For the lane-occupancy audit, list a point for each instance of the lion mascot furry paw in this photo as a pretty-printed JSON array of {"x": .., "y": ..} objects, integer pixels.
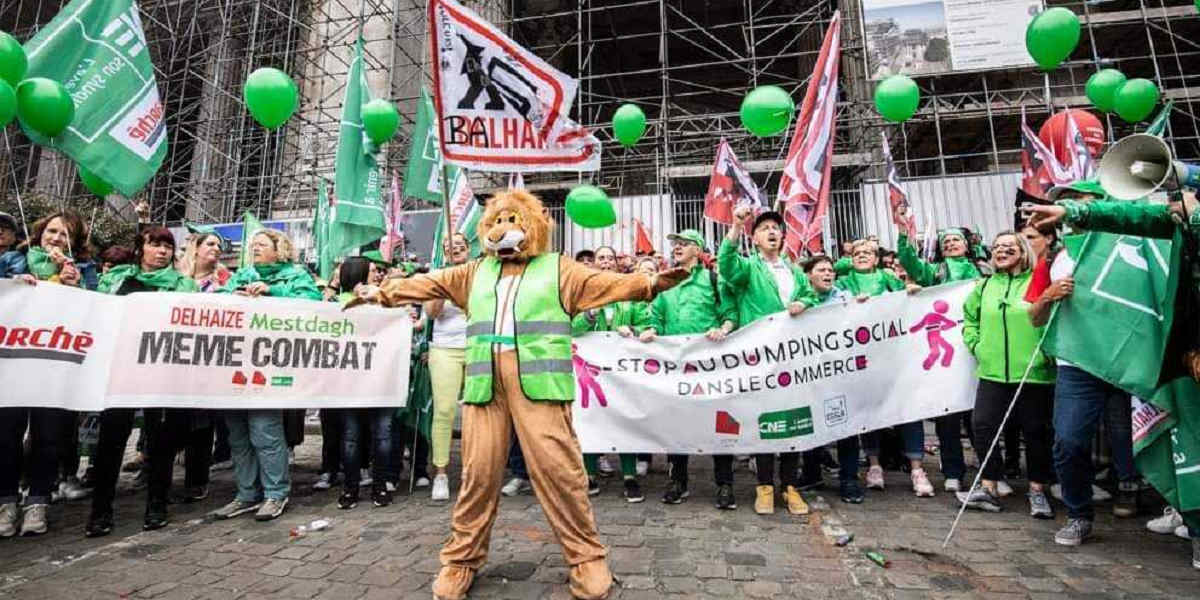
[{"x": 519, "y": 299}]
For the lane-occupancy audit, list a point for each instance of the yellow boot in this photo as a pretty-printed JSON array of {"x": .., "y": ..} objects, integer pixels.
[
  {"x": 764, "y": 503},
  {"x": 452, "y": 583},
  {"x": 795, "y": 503}
]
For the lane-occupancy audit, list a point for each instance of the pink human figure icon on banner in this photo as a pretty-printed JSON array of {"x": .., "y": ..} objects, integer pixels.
[
  {"x": 934, "y": 324},
  {"x": 585, "y": 374}
]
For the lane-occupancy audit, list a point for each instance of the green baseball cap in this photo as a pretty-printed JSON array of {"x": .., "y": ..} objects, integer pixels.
[
  {"x": 689, "y": 235},
  {"x": 376, "y": 257},
  {"x": 1084, "y": 186}
]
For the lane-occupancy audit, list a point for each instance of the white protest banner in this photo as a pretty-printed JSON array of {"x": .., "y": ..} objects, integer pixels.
[
  {"x": 68, "y": 348},
  {"x": 782, "y": 384}
]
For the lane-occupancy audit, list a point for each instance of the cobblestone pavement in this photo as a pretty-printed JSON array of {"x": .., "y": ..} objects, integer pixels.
[{"x": 686, "y": 551}]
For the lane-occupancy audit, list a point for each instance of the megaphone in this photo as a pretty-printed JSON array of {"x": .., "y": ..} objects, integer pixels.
[{"x": 1140, "y": 165}]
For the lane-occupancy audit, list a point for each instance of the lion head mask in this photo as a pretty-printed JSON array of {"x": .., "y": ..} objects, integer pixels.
[{"x": 515, "y": 226}]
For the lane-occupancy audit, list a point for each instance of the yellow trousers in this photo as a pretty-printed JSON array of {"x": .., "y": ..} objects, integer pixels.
[{"x": 446, "y": 374}]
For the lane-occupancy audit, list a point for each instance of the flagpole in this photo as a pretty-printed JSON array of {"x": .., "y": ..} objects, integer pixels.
[{"x": 445, "y": 174}]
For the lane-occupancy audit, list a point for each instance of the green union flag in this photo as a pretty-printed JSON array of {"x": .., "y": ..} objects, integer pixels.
[
  {"x": 423, "y": 179},
  {"x": 359, "y": 217},
  {"x": 1116, "y": 326},
  {"x": 98, "y": 51},
  {"x": 1122, "y": 308}
]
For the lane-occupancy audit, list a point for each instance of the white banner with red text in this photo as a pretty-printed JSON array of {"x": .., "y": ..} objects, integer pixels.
[
  {"x": 783, "y": 384},
  {"x": 68, "y": 348}
]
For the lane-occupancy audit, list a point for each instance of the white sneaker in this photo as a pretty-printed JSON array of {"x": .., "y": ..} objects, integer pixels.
[
  {"x": 603, "y": 465},
  {"x": 920, "y": 483},
  {"x": 1167, "y": 523},
  {"x": 643, "y": 467},
  {"x": 1100, "y": 494},
  {"x": 364, "y": 478},
  {"x": 8, "y": 519},
  {"x": 953, "y": 485},
  {"x": 390, "y": 486},
  {"x": 1003, "y": 490},
  {"x": 1182, "y": 532},
  {"x": 422, "y": 482},
  {"x": 515, "y": 486},
  {"x": 33, "y": 519},
  {"x": 875, "y": 477},
  {"x": 324, "y": 482},
  {"x": 224, "y": 465},
  {"x": 441, "y": 488},
  {"x": 71, "y": 489}
]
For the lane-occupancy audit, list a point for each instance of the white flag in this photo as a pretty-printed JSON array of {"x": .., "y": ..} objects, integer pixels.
[{"x": 500, "y": 107}]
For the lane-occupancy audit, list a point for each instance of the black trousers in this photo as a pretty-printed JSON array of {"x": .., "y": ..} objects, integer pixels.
[
  {"x": 45, "y": 427},
  {"x": 68, "y": 444},
  {"x": 1034, "y": 412},
  {"x": 788, "y": 463},
  {"x": 165, "y": 431},
  {"x": 722, "y": 468},
  {"x": 332, "y": 422}
]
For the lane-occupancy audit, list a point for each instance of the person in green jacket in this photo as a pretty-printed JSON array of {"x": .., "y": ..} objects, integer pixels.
[
  {"x": 165, "y": 429},
  {"x": 957, "y": 264},
  {"x": 999, "y": 333},
  {"x": 1076, "y": 414},
  {"x": 865, "y": 281},
  {"x": 260, "y": 452},
  {"x": 766, "y": 283},
  {"x": 608, "y": 318},
  {"x": 698, "y": 305}
]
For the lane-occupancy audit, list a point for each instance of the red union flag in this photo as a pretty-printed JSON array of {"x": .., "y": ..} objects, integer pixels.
[
  {"x": 901, "y": 210},
  {"x": 1083, "y": 165},
  {"x": 500, "y": 107},
  {"x": 1052, "y": 173},
  {"x": 642, "y": 246},
  {"x": 804, "y": 187},
  {"x": 729, "y": 187}
]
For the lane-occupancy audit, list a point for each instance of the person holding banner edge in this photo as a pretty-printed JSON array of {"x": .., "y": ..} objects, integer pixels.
[
  {"x": 701, "y": 304},
  {"x": 256, "y": 437},
  {"x": 956, "y": 265},
  {"x": 49, "y": 258},
  {"x": 165, "y": 429},
  {"x": 763, "y": 284},
  {"x": 865, "y": 280}
]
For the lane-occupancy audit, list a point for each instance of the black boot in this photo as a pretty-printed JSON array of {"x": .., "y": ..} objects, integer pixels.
[{"x": 99, "y": 524}]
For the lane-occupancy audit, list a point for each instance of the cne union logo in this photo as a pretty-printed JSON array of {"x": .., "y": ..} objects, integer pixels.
[{"x": 44, "y": 343}]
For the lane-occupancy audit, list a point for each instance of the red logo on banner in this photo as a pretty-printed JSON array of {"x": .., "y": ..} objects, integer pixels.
[{"x": 728, "y": 425}]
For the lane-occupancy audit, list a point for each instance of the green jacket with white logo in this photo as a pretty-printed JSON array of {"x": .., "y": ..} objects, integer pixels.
[
  {"x": 699, "y": 303},
  {"x": 753, "y": 286},
  {"x": 998, "y": 332}
]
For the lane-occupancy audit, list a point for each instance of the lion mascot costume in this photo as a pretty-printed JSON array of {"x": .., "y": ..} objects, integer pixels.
[{"x": 519, "y": 299}]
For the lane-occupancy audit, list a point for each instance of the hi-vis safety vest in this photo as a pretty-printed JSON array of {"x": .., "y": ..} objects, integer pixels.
[{"x": 541, "y": 333}]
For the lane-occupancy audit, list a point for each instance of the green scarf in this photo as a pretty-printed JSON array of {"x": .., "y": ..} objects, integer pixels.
[
  {"x": 40, "y": 263},
  {"x": 961, "y": 268},
  {"x": 872, "y": 283},
  {"x": 164, "y": 280}
]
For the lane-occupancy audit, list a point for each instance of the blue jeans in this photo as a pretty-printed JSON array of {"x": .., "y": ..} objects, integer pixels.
[
  {"x": 912, "y": 435},
  {"x": 260, "y": 454},
  {"x": 949, "y": 432},
  {"x": 516, "y": 460},
  {"x": 379, "y": 423},
  {"x": 1080, "y": 401}
]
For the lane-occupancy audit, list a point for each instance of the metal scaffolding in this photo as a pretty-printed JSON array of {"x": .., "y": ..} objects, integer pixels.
[{"x": 687, "y": 63}]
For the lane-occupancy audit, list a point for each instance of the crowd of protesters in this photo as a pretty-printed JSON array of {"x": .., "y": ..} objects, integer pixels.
[{"x": 1055, "y": 419}]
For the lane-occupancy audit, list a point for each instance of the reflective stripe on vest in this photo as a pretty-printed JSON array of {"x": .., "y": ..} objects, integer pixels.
[{"x": 542, "y": 333}]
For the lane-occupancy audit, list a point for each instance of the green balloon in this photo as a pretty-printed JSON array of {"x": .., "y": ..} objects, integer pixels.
[
  {"x": 44, "y": 106},
  {"x": 629, "y": 123},
  {"x": 1052, "y": 36},
  {"x": 1102, "y": 88},
  {"x": 380, "y": 120},
  {"x": 8, "y": 103},
  {"x": 897, "y": 98},
  {"x": 588, "y": 206},
  {"x": 1135, "y": 100},
  {"x": 93, "y": 182},
  {"x": 13, "y": 63},
  {"x": 271, "y": 97},
  {"x": 767, "y": 110}
]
